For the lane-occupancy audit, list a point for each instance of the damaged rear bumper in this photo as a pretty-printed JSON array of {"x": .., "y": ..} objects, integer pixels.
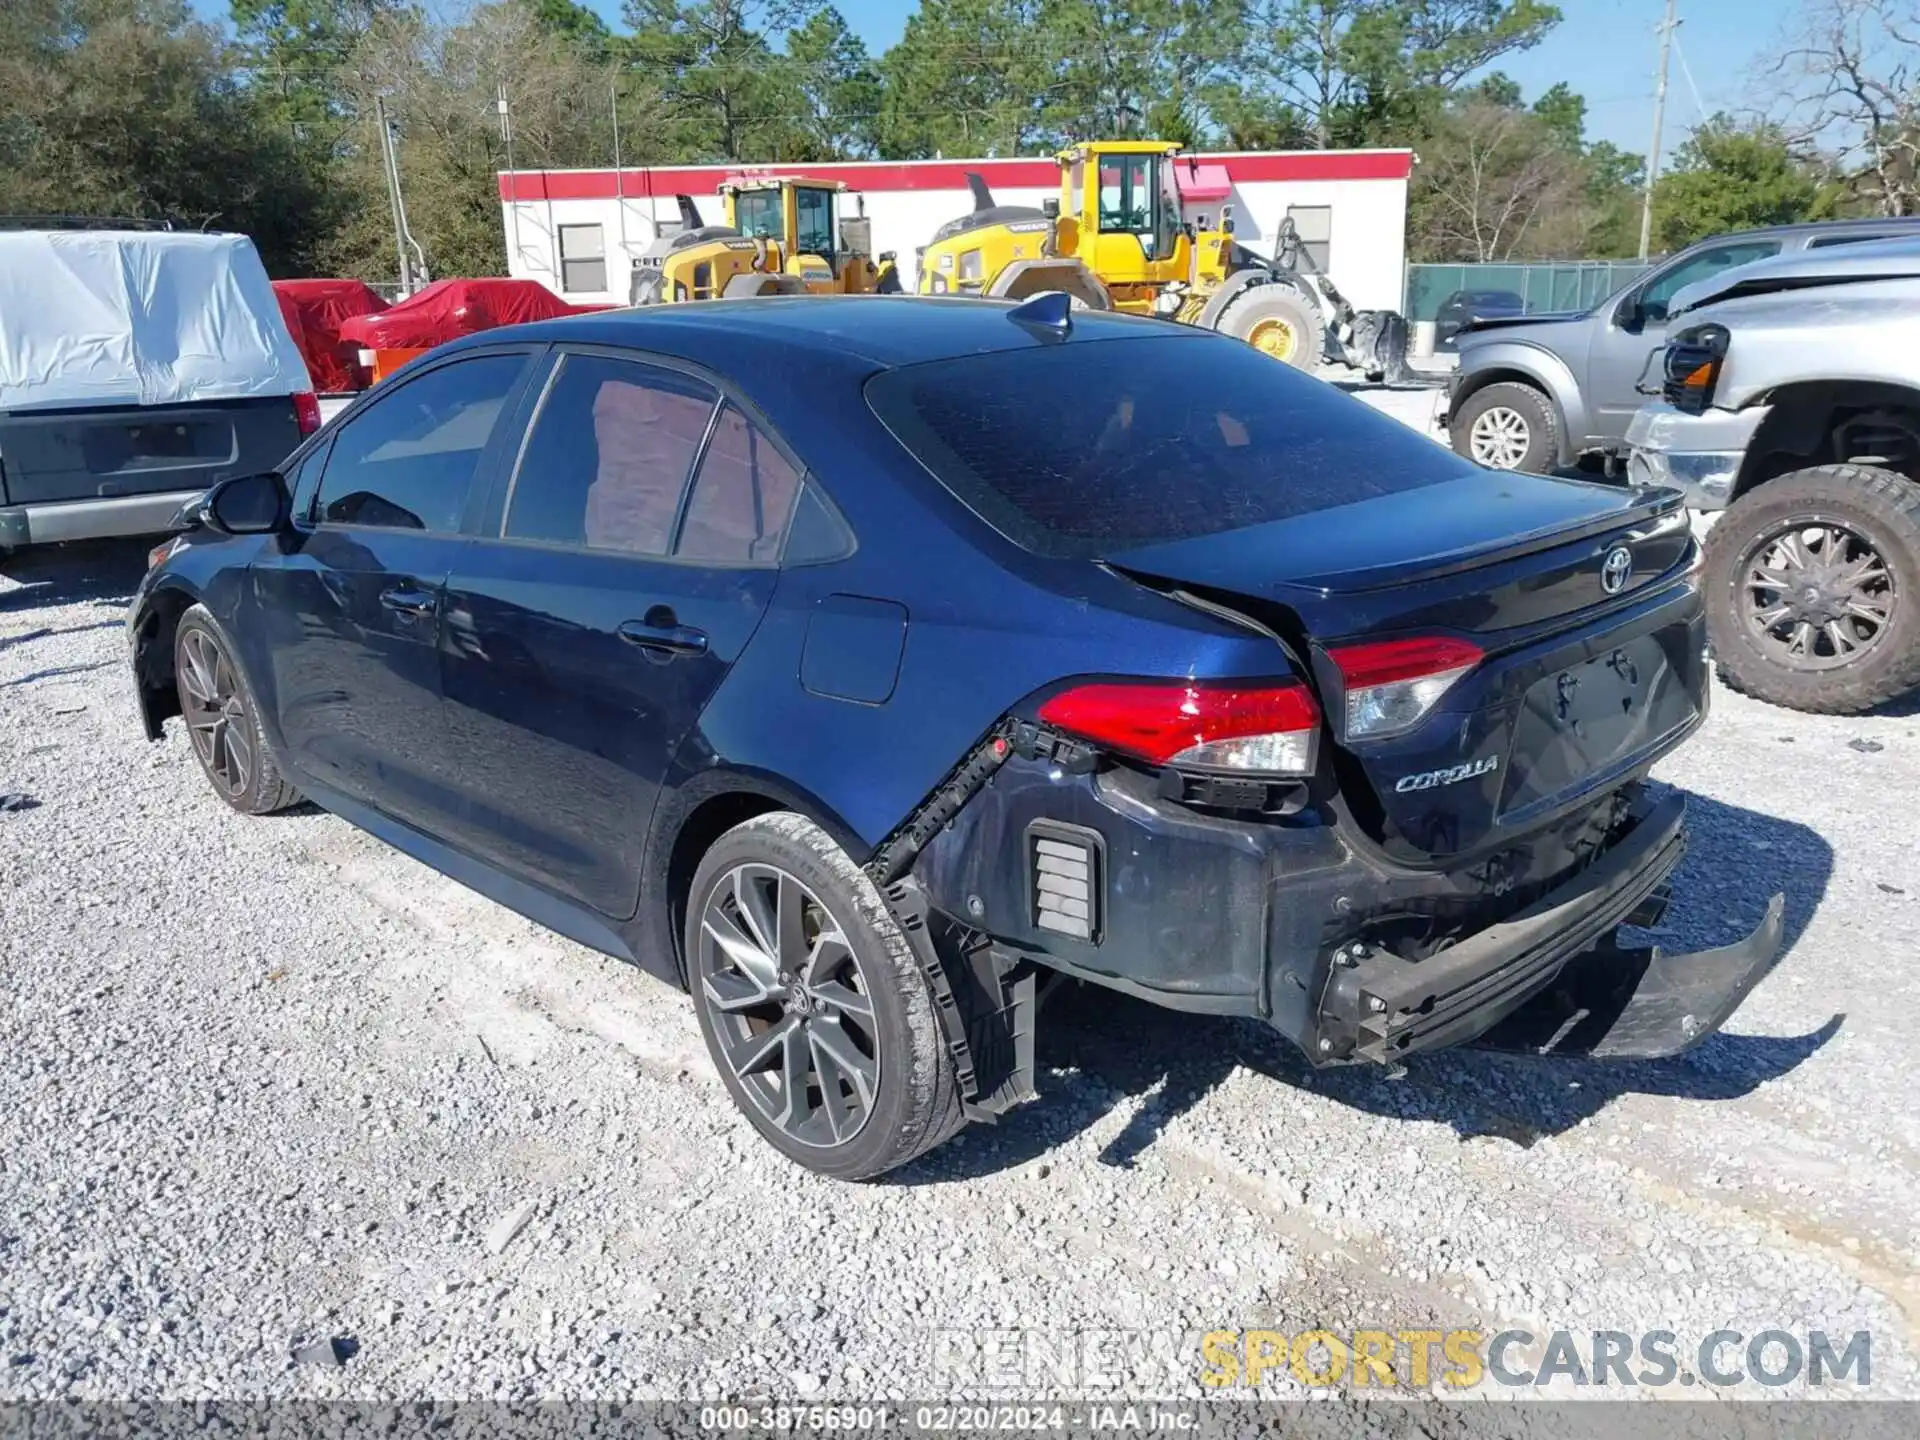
[
  {"x": 1552, "y": 978},
  {"x": 1288, "y": 921},
  {"x": 1641, "y": 1004}
]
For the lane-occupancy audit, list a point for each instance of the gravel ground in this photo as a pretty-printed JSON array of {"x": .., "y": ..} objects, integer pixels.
[{"x": 267, "y": 1082}]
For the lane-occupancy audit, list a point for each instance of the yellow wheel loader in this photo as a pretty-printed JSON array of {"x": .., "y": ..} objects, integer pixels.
[
  {"x": 782, "y": 236},
  {"x": 1116, "y": 239}
]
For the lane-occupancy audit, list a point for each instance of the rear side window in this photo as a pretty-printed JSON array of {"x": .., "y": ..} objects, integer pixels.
[
  {"x": 408, "y": 459},
  {"x": 609, "y": 456},
  {"x": 741, "y": 498},
  {"x": 1078, "y": 450}
]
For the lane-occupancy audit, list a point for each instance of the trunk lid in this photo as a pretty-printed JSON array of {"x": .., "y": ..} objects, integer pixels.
[{"x": 1581, "y": 685}]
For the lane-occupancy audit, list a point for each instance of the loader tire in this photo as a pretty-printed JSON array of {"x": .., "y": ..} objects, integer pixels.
[{"x": 1280, "y": 322}]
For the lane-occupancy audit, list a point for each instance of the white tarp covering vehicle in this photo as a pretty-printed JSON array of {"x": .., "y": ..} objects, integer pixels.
[{"x": 136, "y": 369}]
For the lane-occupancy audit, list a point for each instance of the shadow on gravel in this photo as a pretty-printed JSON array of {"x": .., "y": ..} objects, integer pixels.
[
  {"x": 1099, "y": 1050},
  {"x": 102, "y": 571}
]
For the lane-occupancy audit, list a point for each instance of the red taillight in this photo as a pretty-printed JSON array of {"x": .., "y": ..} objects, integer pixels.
[
  {"x": 1265, "y": 728},
  {"x": 306, "y": 412},
  {"x": 1392, "y": 684}
]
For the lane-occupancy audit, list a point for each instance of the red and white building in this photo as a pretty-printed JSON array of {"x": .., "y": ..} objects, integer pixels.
[{"x": 577, "y": 231}]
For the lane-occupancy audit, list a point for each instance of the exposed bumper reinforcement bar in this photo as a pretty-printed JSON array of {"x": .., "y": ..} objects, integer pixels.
[{"x": 1383, "y": 1007}]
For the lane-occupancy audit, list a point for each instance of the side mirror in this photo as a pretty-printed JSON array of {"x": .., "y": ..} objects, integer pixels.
[
  {"x": 1226, "y": 217},
  {"x": 246, "y": 505},
  {"x": 1050, "y": 207},
  {"x": 1630, "y": 314}
]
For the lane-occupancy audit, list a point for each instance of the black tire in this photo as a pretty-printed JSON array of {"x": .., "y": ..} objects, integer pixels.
[
  {"x": 1264, "y": 310},
  {"x": 1873, "y": 509},
  {"x": 223, "y": 726},
  {"x": 1519, "y": 412},
  {"x": 913, "y": 1099}
]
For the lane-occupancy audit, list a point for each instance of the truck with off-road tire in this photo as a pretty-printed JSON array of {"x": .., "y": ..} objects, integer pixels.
[
  {"x": 1790, "y": 402},
  {"x": 1545, "y": 391}
]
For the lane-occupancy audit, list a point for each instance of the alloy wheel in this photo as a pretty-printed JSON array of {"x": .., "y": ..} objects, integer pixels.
[
  {"x": 1818, "y": 595},
  {"x": 790, "y": 1006},
  {"x": 216, "y": 716},
  {"x": 1499, "y": 437}
]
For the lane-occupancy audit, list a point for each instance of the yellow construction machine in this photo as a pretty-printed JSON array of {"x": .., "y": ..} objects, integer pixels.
[
  {"x": 1116, "y": 239},
  {"x": 782, "y": 236}
]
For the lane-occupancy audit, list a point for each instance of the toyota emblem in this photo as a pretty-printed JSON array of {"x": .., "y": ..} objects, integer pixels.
[{"x": 1615, "y": 569}]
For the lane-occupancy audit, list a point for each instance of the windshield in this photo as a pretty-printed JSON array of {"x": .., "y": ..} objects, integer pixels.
[
  {"x": 1085, "y": 449},
  {"x": 757, "y": 213}
]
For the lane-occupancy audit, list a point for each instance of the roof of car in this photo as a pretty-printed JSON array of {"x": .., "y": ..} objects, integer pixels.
[
  {"x": 1892, "y": 259},
  {"x": 1812, "y": 228},
  {"x": 886, "y": 330}
]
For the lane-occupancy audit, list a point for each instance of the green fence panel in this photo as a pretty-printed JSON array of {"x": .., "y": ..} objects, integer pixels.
[{"x": 1543, "y": 285}]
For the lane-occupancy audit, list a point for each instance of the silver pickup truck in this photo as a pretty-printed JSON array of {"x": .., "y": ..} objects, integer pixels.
[
  {"x": 1790, "y": 399},
  {"x": 137, "y": 368}
]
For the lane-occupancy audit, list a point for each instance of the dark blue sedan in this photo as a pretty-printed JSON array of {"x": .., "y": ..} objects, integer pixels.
[{"x": 867, "y": 665}]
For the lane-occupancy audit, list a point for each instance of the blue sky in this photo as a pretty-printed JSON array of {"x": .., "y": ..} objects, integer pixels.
[{"x": 1605, "y": 49}]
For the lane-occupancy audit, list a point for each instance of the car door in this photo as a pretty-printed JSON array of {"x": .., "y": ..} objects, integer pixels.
[
  {"x": 347, "y": 613},
  {"x": 1637, "y": 326},
  {"x": 632, "y": 559}
]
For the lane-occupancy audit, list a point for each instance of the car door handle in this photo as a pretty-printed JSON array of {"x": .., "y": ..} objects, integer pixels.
[
  {"x": 408, "y": 600},
  {"x": 665, "y": 641}
]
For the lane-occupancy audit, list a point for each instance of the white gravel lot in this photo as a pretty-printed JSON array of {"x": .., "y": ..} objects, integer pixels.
[{"x": 267, "y": 1081}]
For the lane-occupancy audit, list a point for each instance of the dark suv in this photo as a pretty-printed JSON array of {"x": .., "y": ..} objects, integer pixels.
[
  {"x": 863, "y": 664},
  {"x": 1539, "y": 391}
]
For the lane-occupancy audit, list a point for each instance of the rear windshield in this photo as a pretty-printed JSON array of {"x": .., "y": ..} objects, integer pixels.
[{"x": 1099, "y": 447}]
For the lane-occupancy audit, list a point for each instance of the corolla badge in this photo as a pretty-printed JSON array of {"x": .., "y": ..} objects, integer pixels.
[
  {"x": 1452, "y": 775},
  {"x": 1615, "y": 569}
]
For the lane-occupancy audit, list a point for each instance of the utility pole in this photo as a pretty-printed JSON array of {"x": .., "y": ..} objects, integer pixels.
[
  {"x": 392, "y": 168},
  {"x": 1667, "y": 27},
  {"x": 506, "y": 138},
  {"x": 619, "y": 175}
]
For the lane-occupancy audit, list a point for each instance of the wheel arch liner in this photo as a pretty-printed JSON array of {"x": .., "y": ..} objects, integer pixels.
[
  {"x": 1512, "y": 362},
  {"x": 1076, "y": 279},
  {"x": 1241, "y": 281}
]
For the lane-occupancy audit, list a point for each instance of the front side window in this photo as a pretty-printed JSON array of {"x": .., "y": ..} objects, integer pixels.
[
  {"x": 1655, "y": 299},
  {"x": 1134, "y": 200},
  {"x": 814, "y": 230},
  {"x": 1124, "y": 195},
  {"x": 408, "y": 460},
  {"x": 609, "y": 456}
]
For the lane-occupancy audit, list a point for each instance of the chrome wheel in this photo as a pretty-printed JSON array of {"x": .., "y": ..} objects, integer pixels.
[
  {"x": 791, "y": 1010},
  {"x": 216, "y": 716},
  {"x": 1499, "y": 437},
  {"x": 1818, "y": 595}
]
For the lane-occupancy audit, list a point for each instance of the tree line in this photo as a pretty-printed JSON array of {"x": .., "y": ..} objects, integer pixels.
[{"x": 267, "y": 123}]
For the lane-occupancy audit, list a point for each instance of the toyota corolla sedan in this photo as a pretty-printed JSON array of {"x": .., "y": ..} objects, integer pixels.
[{"x": 868, "y": 665}]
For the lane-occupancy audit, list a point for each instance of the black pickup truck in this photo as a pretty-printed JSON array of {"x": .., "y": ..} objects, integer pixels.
[{"x": 137, "y": 369}]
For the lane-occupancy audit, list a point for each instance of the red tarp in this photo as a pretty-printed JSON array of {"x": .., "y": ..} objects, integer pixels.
[
  {"x": 314, "y": 311},
  {"x": 447, "y": 308}
]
